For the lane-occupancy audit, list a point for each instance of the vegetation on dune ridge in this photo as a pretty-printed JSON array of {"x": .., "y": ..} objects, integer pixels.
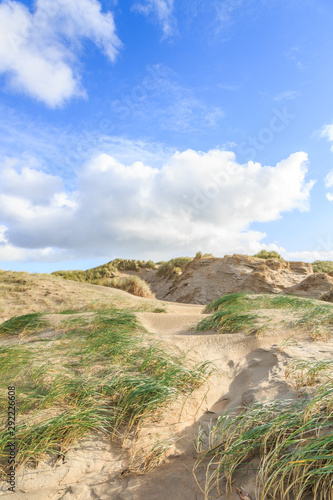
[
  {"x": 173, "y": 267},
  {"x": 199, "y": 255},
  {"x": 265, "y": 254},
  {"x": 106, "y": 275},
  {"x": 108, "y": 270},
  {"x": 236, "y": 312},
  {"x": 322, "y": 266},
  {"x": 104, "y": 374},
  {"x": 289, "y": 443}
]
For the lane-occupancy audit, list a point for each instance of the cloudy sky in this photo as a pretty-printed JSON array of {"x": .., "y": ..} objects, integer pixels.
[{"x": 158, "y": 128}]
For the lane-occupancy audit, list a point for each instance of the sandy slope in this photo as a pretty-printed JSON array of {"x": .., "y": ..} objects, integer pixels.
[
  {"x": 250, "y": 369},
  {"x": 22, "y": 293}
]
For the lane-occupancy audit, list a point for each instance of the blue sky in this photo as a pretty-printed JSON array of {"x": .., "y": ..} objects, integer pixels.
[{"x": 158, "y": 128}]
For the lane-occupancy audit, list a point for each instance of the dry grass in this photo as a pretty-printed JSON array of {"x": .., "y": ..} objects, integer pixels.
[{"x": 133, "y": 285}]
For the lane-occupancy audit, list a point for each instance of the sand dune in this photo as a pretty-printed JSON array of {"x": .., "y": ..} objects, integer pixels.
[{"x": 250, "y": 369}]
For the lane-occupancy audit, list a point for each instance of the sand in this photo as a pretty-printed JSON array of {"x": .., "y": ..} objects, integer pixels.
[{"x": 250, "y": 369}]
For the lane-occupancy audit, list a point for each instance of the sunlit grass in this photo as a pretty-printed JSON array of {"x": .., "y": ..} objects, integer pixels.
[
  {"x": 237, "y": 313},
  {"x": 289, "y": 443},
  {"x": 106, "y": 374},
  {"x": 27, "y": 323}
]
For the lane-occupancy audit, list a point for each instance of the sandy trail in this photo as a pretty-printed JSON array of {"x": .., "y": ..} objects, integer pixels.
[{"x": 250, "y": 369}]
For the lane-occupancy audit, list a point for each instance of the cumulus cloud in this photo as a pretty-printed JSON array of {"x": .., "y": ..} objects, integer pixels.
[
  {"x": 37, "y": 49},
  {"x": 195, "y": 200},
  {"x": 162, "y": 9},
  {"x": 327, "y": 132}
]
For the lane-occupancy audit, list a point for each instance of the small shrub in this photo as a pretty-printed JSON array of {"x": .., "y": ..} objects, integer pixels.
[
  {"x": 133, "y": 285},
  {"x": 173, "y": 267},
  {"x": 322, "y": 266},
  {"x": 150, "y": 265},
  {"x": 264, "y": 254},
  {"x": 200, "y": 255}
]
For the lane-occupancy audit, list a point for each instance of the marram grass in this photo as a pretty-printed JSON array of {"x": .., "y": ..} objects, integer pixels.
[
  {"x": 236, "y": 312},
  {"x": 27, "y": 323},
  {"x": 106, "y": 376},
  {"x": 290, "y": 444}
]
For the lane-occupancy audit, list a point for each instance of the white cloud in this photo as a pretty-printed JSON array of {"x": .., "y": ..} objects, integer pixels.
[
  {"x": 195, "y": 200},
  {"x": 37, "y": 50},
  {"x": 28, "y": 183},
  {"x": 307, "y": 256},
  {"x": 162, "y": 9},
  {"x": 327, "y": 133},
  {"x": 329, "y": 179}
]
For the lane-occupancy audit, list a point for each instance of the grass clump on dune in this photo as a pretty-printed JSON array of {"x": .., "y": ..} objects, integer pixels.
[
  {"x": 248, "y": 302},
  {"x": 200, "y": 255},
  {"x": 173, "y": 267},
  {"x": 108, "y": 375},
  {"x": 322, "y": 266},
  {"x": 133, "y": 285},
  {"x": 264, "y": 254},
  {"x": 236, "y": 312},
  {"x": 307, "y": 373},
  {"x": 27, "y": 323},
  {"x": 289, "y": 443},
  {"x": 229, "y": 322}
]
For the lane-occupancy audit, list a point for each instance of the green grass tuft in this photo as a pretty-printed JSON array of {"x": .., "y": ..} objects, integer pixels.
[
  {"x": 27, "y": 323},
  {"x": 231, "y": 299},
  {"x": 229, "y": 322},
  {"x": 236, "y": 312}
]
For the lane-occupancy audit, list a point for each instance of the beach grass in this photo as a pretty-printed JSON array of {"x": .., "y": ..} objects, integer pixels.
[
  {"x": 237, "y": 312},
  {"x": 288, "y": 443},
  {"x": 27, "y": 323},
  {"x": 104, "y": 375}
]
